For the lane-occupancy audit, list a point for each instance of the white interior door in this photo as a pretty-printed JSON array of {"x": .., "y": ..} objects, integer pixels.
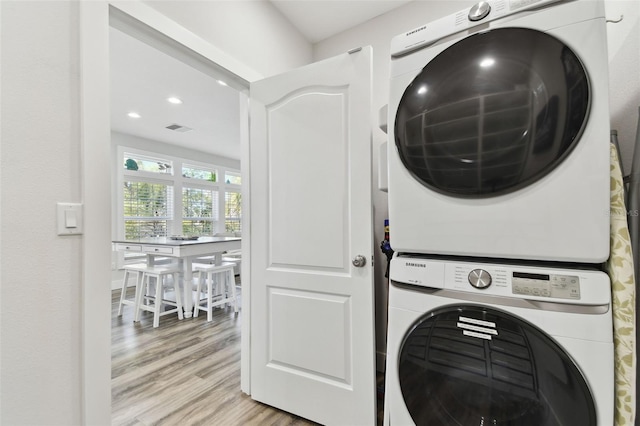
[{"x": 312, "y": 310}]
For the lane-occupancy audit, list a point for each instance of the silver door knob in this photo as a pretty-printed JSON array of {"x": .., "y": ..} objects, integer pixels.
[{"x": 359, "y": 261}]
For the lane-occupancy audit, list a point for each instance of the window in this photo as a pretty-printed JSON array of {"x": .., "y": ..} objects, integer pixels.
[
  {"x": 148, "y": 209},
  {"x": 233, "y": 178},
  {"x": 199, "y": 211},
  {"x": 135, "y": 162},
  {"x": 163, "y": 195},
  {"x": 196, "y": 172},
  {"x": 233, "y": 211}
]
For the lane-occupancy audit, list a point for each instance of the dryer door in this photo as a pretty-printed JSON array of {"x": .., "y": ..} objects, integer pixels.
[
  {"x": 471, "y": 365},
  {"x": 492, "y": 113}
]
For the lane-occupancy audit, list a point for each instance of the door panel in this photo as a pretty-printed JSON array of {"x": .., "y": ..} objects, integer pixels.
[
  {"x": 312, "y": 312},
  {"x": 307, "y": 163},
  {"x": 322, "y": 346}
]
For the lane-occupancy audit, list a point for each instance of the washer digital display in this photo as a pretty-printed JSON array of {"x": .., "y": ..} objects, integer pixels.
[{"x": 546, "y": 285}]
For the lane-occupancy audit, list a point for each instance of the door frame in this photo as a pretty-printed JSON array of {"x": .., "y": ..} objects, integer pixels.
[{"x": 95, "y": 145}]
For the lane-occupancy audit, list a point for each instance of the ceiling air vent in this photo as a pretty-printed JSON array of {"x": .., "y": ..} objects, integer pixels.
[{"x": 179, "y": 128}]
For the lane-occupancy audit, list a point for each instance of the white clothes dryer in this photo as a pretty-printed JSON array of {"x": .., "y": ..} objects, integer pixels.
[
  {"x": 473, "y": 343},
  {"x": 499, "y": 133}
]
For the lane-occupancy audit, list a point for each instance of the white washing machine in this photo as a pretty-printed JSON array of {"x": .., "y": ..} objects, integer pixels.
[
  {"x": 499, "y": 133},
  {"x": 472, "y": 343}
]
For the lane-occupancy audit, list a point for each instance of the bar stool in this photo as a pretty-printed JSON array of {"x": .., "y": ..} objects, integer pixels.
[
  {"x": 237, "y": 263},
  {"x": 160, "y": 273},
  {"x": 129, "y": 270},
  {"x": 221, "y": 287}
]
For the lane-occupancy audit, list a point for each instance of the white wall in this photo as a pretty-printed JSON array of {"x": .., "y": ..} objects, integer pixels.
[
  {"x": 40, "y": 309},
  {"x": 41, "y": 294},
  {"x": 252, "y": 31}
]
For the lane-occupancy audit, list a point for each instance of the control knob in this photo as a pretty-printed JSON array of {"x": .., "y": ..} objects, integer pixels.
[
  {"x": 479, "y": 11},
  {"x": 479, "y": 278}
]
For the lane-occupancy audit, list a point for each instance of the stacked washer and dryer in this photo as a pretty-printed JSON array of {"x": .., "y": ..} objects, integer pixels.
[{"x": 499, "y": 312}]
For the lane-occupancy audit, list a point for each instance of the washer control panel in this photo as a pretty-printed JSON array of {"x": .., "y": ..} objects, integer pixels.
[
  {"x": 546, "y": 285},
  {"x": 561, "y": 285}
]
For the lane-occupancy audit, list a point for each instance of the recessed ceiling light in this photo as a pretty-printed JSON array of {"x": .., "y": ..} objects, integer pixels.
[
  {"x": 222, "y": 83},
  {"x": 134, "y": 115},
  {"x": 174, "y": 100}
]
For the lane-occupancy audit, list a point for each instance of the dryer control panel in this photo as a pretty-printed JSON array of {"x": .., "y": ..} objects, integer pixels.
[{"x": 480, "y": 13}]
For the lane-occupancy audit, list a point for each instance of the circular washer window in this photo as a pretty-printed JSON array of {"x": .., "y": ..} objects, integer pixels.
[
  {"x": 503, "y": 371},
  {"x": 492, "y": 113}
]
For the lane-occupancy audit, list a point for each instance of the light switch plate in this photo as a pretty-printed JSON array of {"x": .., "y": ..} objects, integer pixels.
[{"x": 69, "y": 219}]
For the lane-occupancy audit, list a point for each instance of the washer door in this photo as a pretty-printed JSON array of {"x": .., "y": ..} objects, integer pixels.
[
  {"x": 492, "y": 113},
  {"x": 471, "y": 365}
]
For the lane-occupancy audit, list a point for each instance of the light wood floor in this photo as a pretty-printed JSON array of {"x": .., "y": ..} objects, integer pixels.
[
  {"x": 182, "y": 373},
  {"x": 185, "y": 373}
]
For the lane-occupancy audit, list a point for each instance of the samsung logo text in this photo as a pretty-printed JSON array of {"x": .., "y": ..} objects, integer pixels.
[{"x": 424, "y": 27}]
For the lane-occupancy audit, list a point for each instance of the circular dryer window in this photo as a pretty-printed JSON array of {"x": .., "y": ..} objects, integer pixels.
[
  {"x": 492, "y": 113},
  {"x": 471, "y": 365}
]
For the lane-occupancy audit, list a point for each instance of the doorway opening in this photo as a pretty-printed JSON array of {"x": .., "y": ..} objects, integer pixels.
[{"x": 139, "y": 56}]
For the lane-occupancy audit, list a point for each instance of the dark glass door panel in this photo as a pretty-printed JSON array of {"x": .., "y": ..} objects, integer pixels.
[
  {"x": 470, "y": 365},
  {"x": 492, "y": 113}
]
